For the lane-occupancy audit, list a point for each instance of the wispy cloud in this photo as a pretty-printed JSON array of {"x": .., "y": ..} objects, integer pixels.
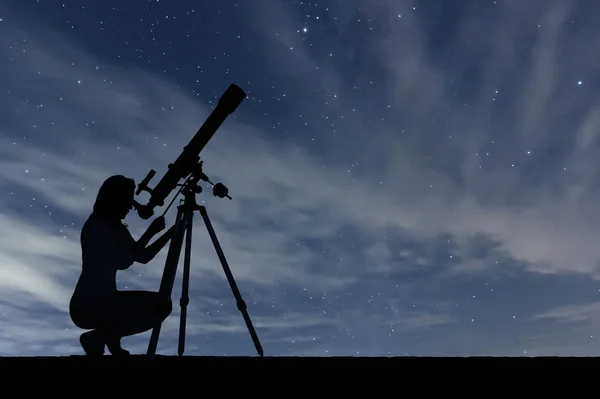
[{"x": 572, "y": 313}]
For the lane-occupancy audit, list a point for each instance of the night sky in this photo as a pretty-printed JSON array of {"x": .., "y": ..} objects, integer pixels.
[{"x": 408, "y": 177}]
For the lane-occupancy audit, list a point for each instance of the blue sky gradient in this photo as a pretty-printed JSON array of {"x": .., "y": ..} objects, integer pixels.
[{"x": 407, "y": 178}]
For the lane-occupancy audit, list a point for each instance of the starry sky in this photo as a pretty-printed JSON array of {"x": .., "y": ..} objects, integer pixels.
[{"x": 408, "y": 177}]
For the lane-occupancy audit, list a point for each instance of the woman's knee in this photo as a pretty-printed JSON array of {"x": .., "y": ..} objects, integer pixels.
[
  {"x": 84, "y": 317},
  {"x": 164, "y": 308},
  {"x": 168, "y": 308}
]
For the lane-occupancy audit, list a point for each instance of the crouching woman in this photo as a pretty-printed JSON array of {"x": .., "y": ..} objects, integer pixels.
[{"x": 107, "y": 246}]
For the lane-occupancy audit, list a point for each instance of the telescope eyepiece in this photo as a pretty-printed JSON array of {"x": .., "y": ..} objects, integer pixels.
[{"x": 143, "y": 211}]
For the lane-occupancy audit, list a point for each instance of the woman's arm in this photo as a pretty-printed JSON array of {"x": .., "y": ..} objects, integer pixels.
[
  {"x": 141, "y": 244},
  {"x": 149, "y": 252}
]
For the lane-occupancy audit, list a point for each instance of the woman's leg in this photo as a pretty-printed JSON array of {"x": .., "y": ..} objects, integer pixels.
[
  {"x": 130, "y": 313},
  {"x": 121, "y": 314},
  {"x": 87, "y": 314}
]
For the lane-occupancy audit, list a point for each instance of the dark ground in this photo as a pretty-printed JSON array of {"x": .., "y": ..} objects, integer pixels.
[
  {"x": 310, "y": 377},
  {"x": 426, "y": 364}
]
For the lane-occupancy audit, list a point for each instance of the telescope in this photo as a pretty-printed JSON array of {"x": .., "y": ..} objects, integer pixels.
[
  {"x": 188, "y": 160},
  {"x": 188, "y": 166}
]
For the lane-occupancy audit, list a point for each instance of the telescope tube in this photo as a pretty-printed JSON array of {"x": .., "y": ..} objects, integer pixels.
[{"x": 189, "y": 157}]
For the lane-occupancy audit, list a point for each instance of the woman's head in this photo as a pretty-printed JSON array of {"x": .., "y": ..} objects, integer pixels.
[{"x": 115, "y": 198}]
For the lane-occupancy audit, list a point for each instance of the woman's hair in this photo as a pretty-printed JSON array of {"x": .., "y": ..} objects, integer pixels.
[{"x": 112, "y": 194}]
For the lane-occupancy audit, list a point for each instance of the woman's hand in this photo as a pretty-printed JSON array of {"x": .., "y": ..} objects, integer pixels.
[
  {"x": 171, "y": 231},
  {"x": 157, "y": 225}
]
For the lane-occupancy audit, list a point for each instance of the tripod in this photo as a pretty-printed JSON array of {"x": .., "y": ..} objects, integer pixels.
[{"x": 183, "y": 227}]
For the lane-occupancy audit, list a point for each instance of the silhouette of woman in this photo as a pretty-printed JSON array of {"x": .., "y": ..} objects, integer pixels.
[{"x": 107, "y": 246}]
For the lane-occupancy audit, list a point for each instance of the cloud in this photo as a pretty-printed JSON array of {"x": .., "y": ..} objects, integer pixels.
[
  {"x": 452, "y": 188},
  {"x": 572, "y": 313}
]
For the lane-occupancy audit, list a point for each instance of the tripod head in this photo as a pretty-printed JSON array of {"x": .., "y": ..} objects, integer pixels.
[{"x": 190, "y": 186}]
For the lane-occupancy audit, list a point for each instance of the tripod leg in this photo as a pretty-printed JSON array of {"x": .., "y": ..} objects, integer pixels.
[
  {"x": 185, "y": 299},
  {"x": 241, "y": 305},
  {"x": 168, "y": 278}
]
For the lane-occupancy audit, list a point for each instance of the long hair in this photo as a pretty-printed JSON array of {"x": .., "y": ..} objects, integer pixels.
[{"x": 110, "y": 199}]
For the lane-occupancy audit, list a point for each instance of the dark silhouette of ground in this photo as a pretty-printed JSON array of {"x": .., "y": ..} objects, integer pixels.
[
  {"x": 310, "y": 365},
  {"x": 107, "y": 246}
]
